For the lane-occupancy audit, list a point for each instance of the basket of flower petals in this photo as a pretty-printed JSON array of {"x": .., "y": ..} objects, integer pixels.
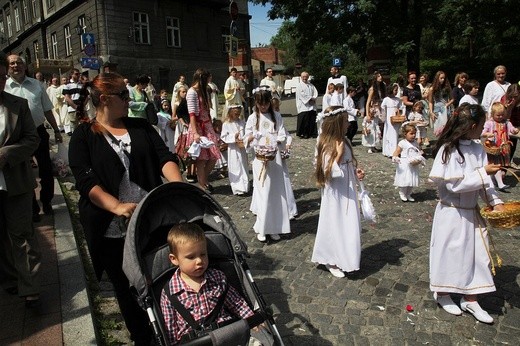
[{"x": 265, "y": 153}]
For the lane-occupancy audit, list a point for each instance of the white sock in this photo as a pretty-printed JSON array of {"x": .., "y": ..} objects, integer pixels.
[{"x": 498, "y": 177}]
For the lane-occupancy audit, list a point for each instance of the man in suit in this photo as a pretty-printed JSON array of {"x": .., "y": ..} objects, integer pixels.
[{"x": 19, "y": 250}]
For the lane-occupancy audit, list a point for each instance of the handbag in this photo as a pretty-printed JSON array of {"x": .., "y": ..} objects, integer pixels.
[
  {"x": 60, "y": 161},
  {"x": 367, "y": 208}
]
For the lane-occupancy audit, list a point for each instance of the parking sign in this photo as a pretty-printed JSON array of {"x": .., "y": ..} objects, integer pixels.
[{"x": 336, "y": 62}]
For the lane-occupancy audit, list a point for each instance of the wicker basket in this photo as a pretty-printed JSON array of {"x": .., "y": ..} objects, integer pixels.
[
  {"x": 265, "y": 158},
  {"x": 509, "y": 218},
  {"x": 397, "y": 119},
  {"x": 494, "y": 150}
]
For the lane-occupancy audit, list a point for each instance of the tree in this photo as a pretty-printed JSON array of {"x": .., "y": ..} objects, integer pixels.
[{"x": 456, "y": 33}]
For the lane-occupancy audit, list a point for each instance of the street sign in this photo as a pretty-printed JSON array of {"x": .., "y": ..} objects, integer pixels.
[
  {"x": 336, "y": 62},
  {"x": 91, "y": 63},
  {"x": 90, "y": 49},
  {"x": 233, "y": 46},
  {"x": 88, "y": 38}
]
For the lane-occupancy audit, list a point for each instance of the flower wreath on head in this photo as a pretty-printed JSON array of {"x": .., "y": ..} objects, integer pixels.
[
  {"x": 261, "y": 88},
  {"x": 234, "y": 105},
  {"x": 404, "y": 123},
  {"x": 323, "y": 115}
]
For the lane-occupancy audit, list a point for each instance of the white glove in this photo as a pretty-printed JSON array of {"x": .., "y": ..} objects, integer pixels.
[{"x": 395, "y": 159}]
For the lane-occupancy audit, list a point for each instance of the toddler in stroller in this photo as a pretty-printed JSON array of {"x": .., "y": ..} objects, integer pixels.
[
  {"x": 194, "y": 286},
  {"x": 196, "y": 221}
]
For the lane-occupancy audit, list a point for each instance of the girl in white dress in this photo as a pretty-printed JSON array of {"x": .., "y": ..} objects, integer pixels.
[
  {"x": 166, "y": 125},
  {"x": 408, "y": 157},
  {"x": 371, "y": 135},
  {"x": 417, "y": 118},
  {"x": 390, "y": 106},
  {"x": 338, "y": 238},
  {"x": 269, "y": 201},
  {"x": 233, "y": 134},
  {"x": 459, "y": 248}
]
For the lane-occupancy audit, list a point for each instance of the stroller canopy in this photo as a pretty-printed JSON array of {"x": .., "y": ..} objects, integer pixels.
[{"x": 164, "y": 206}]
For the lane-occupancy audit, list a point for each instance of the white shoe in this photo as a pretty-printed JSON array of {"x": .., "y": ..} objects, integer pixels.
[
  {"x": 447, "y": 304},
  {"x": 261, "y": 237},
  {"x": 370, "y": 151},
  {"x": 475, "y": 309},
  {"x": 410, "y": 199},
  {"x": 335, "y": 271},
  {"x": 402, "y": 196},
  {"x": 274, "y": 236}
]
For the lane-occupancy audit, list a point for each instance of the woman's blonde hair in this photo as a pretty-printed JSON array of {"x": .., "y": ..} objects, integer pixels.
[{"x": 332, "y": 131}]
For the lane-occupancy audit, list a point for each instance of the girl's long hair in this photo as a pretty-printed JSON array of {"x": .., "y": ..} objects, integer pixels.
[
  {"x": 439, "y": 88},
  {"x": 458, "y": 126},
  {"x": 200, "y": 84},
  {"x": 263, "y": 97},
  {"x": 178, "y": 97},
  {"x": 331, "y": 132}
]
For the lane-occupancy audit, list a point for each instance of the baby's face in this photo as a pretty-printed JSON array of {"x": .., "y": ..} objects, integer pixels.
[{"x": 191, "y": 258}]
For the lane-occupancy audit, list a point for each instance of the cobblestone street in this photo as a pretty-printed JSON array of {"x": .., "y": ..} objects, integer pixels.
[
  {"x": 369, "y": 307},
  {"x": 312, "y": 307}
]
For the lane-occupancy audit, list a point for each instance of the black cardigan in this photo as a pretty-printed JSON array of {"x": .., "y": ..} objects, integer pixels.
[{"x": 94, "y": 162}]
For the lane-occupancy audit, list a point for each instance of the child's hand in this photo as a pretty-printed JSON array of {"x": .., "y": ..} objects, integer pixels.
[
  {"x": 499, "y": 207},
  {"x": 492, "y": 168},
  {"x": 360, "y": 174},
  {"x": 395, "y": 159}
]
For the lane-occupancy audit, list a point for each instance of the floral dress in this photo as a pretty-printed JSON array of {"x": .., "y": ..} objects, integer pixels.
[{"x": 204, "y": 127}]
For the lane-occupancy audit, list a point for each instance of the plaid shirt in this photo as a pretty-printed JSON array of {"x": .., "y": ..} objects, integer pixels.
[{"x": 200, "y": 304}]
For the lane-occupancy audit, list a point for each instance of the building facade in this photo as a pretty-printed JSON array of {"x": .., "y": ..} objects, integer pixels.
[{"x": 160, "y": 38}]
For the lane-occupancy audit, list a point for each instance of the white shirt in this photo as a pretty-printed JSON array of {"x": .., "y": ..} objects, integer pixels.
[
  {"x": 37, "y": 98},
  {"x": 348, "y": 104},
  {"x": 492, "y": 93},
  {"x": 305, "y": 92},
  {"x": 472, "y": 100},
  {"x": 341, "y": 79},
  {"x": 269, "y": 82}
]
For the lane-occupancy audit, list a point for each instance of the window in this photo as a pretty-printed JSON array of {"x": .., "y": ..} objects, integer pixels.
[
  {"x": 50, "y": 3},
  {"x": 17, "y": 24},
  {"x": 25, "y": 10},
  {"x": 36, "y": 14},
  {"x": 9, "y": 25},
  {"x": 141, "y": 28},
  {"x": 173, "y": 32},
  {"x": 83, "y": 24},
  {"x": 68, "y": 41},
  {"x": 36, "y": 48},
  {"x": 54, "y": 43}
]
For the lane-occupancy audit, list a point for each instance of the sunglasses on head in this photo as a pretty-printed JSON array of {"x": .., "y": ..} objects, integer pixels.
[{"x": 123, "y": 94}]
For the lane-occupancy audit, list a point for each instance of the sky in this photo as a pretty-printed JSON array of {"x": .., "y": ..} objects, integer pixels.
[{"x": 261, "y": 28}]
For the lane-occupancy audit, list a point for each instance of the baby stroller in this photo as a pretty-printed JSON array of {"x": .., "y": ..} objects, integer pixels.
[{"x": 148, "y": 268}]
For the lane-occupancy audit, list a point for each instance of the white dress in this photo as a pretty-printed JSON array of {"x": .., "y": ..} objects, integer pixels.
[
  {"x": 338, "y": 238},
  {"x": 236, "y": 156},
  {"x": 459, "y": 262},
  {"x": 269, "y": 200},
  {"x": 372, "y": 138},
  {"x": 406, "y": 174},
  {"x": 165, "y": 131},
  {"x": 291, "y": 201},
  {"x": 391, "y": 131}
]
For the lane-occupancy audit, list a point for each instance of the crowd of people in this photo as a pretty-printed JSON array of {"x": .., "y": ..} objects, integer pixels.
[{"x": 119, "y": 151}]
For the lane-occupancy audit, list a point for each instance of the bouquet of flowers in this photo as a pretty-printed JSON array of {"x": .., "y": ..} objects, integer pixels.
[{"x": 60, "y": 162}]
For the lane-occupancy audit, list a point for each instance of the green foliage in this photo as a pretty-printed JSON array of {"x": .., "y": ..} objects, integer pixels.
[{"x": 470, "y": 35}]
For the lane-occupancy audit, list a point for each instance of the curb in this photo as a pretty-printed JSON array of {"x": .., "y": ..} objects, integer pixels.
[{"x": 77, "y": 320}]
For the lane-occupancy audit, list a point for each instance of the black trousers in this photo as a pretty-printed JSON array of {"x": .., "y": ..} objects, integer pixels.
[
  {"x": 42, "y": 155},
  {"x": 306, "y": 124},
  {"x": 352, "y": 130},
  {"x": 136, "y": 319}
]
